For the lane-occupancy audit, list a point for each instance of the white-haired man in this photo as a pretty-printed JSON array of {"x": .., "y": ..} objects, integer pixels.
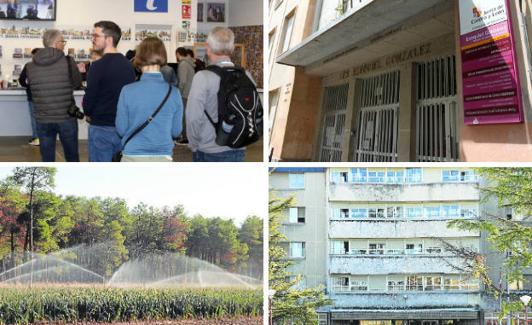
[
  {"x": 203, "y": 103},
  {"x": 52, "y": 78}
]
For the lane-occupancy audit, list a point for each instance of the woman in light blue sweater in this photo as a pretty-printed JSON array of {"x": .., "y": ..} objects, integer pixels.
[{"x": 138, "y": 101}]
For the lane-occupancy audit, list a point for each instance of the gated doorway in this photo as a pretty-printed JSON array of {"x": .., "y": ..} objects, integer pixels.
[
  {"x": 436, "y": 111},
  {"x": 335, "y": 107},
  {"x": 378, "y": 118}
]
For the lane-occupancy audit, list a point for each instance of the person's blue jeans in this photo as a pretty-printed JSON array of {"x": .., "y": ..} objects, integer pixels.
[
  {"x": 68, "y": 134},
  {"x": 32, "y": 118},
  {"x": 225, "y": 156},
  {"x": 104, "y": 142}
]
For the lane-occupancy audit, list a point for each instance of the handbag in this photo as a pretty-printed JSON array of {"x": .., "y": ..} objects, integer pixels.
[{"x": 117, "y": 157}]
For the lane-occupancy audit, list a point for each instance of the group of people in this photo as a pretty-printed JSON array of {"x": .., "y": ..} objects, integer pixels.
[{"x": 141, "y": 118}]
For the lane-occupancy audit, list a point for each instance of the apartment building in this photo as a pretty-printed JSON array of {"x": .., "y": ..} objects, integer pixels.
[
  {"x": 305, "y": 224},
  {"x": 383, "y": 243},
  {"x": 391, "y": 80}
]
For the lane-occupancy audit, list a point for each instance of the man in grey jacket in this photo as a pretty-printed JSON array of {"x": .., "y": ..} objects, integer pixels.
[
  {"x": 52, "y": 89},
  {"x": 185, "y": 74},
  {"x": 203, "y": 98}
]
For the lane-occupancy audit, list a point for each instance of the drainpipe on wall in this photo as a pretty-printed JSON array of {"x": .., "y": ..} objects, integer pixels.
[
  {"x": 317, "y": 16},
  {"x": 524, "y": 29}
]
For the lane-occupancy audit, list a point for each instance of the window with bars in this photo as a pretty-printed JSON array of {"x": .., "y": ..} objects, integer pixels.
[
  {"x": 436, "y": 110},
  {"x": 335, "y": 109}
]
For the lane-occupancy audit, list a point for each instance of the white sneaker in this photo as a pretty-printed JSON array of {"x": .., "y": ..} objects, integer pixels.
[{"x": 34, "y": 142}]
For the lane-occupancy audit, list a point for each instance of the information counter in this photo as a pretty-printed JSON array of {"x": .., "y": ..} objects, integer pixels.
[{"x": 14, "y": 114}]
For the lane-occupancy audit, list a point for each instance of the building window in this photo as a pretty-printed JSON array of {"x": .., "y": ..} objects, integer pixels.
[
  {"x": 413, "y": 175},
  {"x": 376, "y": 177},
  {"x": 395, "y": 177},
  {"x": 271, "y": 39},
  {"x": 339, "y": 177},
  {"x": 414, "y": 212},
  {"x": 359, "y": 286},
  {"x": 395, "y": 286},
  {"x": 414, "y": 283},
  {"x": 377, "y": 248},
  {"x": 297, "y": 250},
  {"x": 451, "y": 211},
  {"x": 394, "y": 212},
  {"x": 454, "y": 176},
  {"x": 274, "y": 101},
  {"x": 432, "y": 283},
  {"x": 432, "y": 212},
  {"x": 287, "y": 32},
  {"x": 468, "y": 212},
  {"x": 412, "y": 249},
  {"x": 451, "y": 284},
  {"x": 344, "y": 213},
  {"x": 341, "y": 284},
  {"x": 359, "y": 213},
  {"x": 359, "y": 175},
  {"x": 297, "y": 215},
  {"x": 339, "y": 247},
  {"x": 296, "y": 181}
]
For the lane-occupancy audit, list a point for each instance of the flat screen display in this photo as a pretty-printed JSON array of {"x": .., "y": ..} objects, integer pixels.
[{"x": 28, "y": 9}]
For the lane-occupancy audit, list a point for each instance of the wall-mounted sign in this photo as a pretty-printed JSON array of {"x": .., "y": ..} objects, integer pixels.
[
  {"x": 186, "y": 12},
  {"x": 151, "y": 5},
  {"x": 492, "y": 92}
]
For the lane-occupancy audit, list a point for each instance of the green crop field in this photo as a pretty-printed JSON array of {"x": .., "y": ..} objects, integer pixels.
[{"x": 101, "y": 304}]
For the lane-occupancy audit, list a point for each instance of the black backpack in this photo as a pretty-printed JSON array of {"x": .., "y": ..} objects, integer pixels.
[{"x": 240, "y": 114}]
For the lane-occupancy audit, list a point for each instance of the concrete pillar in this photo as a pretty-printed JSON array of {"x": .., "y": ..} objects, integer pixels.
[
  {"x": 303, "y": 118},
  {"x": 353, "y": 121},
  {"x": 350, "y": 117},
  {"x": 407, "y": 114}
]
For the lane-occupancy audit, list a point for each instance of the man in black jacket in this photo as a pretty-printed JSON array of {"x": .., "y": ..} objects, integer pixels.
[
  {"x": 105, "y": 80},
  {"x": 52, "y": 91}
]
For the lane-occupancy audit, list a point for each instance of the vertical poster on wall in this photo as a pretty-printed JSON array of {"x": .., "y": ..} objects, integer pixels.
[
  {"x": 216, "y": 12},
  {"x": 492, "y": 92}
]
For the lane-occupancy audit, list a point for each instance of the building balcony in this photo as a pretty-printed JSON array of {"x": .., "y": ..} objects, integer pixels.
[
  {"x": 383, "y": 264},
  {"x": 391, "y": 229},
  {"x": 349, "y": 192},
  {"x": 404, "y": 300}
]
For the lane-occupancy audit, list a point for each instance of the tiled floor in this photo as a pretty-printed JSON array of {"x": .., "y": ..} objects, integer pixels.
[{"x": 17, "y": 149}]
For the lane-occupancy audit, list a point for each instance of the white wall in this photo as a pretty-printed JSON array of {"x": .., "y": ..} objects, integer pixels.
[
  {"x": 81, "y": 14},
  {"x": 245, "y": 12}
]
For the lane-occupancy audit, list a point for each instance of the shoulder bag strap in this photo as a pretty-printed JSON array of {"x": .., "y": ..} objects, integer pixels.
[
  {"x": 148, "y": 121},
  {"x": 220, "y": 72}
]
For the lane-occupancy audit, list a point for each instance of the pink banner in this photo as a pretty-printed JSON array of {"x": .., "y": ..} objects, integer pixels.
[{"x": 492, "y": 92}]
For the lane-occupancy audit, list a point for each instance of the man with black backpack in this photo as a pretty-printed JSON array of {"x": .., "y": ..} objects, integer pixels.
[{"x": 224, "y": 113}]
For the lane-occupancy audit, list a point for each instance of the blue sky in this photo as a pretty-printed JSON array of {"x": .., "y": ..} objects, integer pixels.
[{"x": 228, "y": 191}]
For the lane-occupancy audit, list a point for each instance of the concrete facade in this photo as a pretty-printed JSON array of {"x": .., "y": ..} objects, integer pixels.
[
  {"x": 313, "y": 230},
  {"x": 383, "y": 253},
  {"x": 379, "y": 49}
]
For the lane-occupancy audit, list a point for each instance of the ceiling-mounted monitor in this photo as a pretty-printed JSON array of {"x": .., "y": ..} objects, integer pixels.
[{"x": 28, "y": 10}]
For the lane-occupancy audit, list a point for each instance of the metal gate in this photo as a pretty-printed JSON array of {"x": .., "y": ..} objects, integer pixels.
[
  {"x": 436, "y": 111},
  {"x": 335, "y": 107},
  {"x": 378, "y": 119}
]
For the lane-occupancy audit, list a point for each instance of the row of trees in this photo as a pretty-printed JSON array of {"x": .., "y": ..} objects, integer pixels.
[{"x": 35, "y": 219}]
